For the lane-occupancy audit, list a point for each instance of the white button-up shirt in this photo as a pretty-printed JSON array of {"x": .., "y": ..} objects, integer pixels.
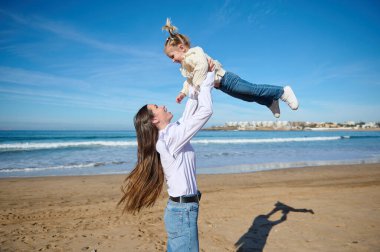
[{"x": 176, "y": 153}]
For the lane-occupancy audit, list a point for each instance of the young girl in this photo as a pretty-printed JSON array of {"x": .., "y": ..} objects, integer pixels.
[
  {"x": 194, "y": 67},
  {"x": 164, "y": 151}
]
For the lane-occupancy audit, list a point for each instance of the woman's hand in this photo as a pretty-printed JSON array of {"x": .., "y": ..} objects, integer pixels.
[{"x": 211, "y": 65}]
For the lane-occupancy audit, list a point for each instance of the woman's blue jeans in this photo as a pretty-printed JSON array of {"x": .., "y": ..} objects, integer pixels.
[
  {"x": 181, "y": 224},
  {"x": 263, "y": 94}
]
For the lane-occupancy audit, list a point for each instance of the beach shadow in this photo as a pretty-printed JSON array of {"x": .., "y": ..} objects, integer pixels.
[{"x": 255, "y": 238}]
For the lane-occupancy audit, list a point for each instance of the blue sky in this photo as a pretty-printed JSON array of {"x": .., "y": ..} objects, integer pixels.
[{"x": 92, "y": 64}]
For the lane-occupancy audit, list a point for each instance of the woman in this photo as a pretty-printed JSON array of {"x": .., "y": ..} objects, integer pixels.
[{"x": 164, "y": 151}]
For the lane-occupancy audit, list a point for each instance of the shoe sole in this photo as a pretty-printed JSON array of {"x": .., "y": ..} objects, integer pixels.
[{"x": 295, "y": 105}]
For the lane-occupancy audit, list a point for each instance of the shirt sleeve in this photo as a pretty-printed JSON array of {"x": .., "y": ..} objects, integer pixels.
[
  {"x": 199, "y": 61},
  {"x": 197, "y": 112},
  {"x": 185, "y": 88},
  {"x": 191, "y": 105}
]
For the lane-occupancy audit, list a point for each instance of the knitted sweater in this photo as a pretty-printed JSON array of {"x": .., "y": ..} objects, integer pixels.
[{"x": 194, "y": 68}]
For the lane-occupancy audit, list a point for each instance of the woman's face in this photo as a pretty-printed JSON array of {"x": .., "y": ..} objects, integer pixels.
[
  {"x": 161, "y": 116},
  {"x": 176, "y": 53}
]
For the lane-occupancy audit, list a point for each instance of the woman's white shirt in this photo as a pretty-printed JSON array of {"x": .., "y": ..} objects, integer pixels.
[{"x": 176, "y": 153}]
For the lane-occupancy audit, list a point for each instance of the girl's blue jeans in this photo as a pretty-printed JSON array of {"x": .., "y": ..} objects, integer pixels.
[
  {"x": 263, "y": 94},
  {"x": 181, "y": 224}
]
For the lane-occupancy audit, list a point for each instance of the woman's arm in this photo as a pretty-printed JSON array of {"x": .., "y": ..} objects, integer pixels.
[
  {"x": 191, "y": 105},
  {"x": 195, "y": 116}
]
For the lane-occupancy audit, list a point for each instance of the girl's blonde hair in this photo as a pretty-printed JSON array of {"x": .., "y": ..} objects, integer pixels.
[{"x": 175, "y": 38}]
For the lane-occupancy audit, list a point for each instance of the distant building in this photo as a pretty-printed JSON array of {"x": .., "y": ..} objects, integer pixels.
[
  {"x": 369, "y": 125},
  {"x": 286, "y": 125}
]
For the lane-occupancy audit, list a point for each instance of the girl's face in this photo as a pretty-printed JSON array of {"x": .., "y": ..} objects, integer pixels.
[{"x": 176, "y": 53}]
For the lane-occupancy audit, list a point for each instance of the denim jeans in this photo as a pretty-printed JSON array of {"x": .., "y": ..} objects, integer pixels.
[
  {"x": 263, "y": 94},
  {"x": 181, "y": 224}
]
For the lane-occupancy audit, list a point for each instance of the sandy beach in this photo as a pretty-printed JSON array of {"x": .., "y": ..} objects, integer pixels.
[{"x": 330, "y": 208}]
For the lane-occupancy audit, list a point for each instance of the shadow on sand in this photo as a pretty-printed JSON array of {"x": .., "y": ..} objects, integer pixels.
[{"x": 256, "y": 236}]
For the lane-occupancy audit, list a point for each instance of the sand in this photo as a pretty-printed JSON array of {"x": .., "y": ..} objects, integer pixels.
[{"x": 330, "y": 208}]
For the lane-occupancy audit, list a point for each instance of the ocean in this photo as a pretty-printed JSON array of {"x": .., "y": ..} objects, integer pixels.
[{"x": 66, "y": 153}]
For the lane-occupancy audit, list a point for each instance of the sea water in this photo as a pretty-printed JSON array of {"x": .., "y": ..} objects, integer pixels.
[{"x": 61, "y": 153}]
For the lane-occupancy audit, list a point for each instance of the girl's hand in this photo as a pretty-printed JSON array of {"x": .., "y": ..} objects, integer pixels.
[{"x": 180, "y": 97}]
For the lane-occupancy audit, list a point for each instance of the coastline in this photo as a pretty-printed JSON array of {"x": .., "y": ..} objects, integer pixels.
[{"x": 78, "y": 213}]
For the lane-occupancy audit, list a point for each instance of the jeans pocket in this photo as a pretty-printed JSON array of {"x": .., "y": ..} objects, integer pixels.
[
  {"x": 194, "y": 207},
  {"x": 174, "y": 222},
  {"x": 193, "y": 214}
]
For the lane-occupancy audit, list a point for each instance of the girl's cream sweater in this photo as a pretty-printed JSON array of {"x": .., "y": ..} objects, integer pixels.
[{"x": 194, "y": 68}]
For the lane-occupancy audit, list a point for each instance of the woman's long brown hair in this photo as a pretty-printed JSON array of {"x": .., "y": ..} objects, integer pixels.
[{"x": 144, "y": 184}]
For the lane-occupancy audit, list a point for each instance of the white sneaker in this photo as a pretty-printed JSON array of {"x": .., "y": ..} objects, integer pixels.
[
  {"x": 275, "y": 108},
  {"x": 290, "y": 98}
]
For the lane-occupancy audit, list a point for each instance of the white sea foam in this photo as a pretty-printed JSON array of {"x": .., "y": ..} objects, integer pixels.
[
  {"x": 265, "y": 140},
  {"x": 58, "y": 167},
  {"x": 212, "y": 170},
  {"x": 282, "y": 165},
  {"x": 57, "y": 145},
  {"x": 33, "y": 169}
]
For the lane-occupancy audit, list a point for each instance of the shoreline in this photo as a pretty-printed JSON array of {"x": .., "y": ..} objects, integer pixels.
[
  {"x": 78, "y": 213},
  {"x": 234, "y": 169}
]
